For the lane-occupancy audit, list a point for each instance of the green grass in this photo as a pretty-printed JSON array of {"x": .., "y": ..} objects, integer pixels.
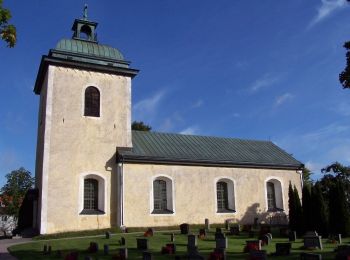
[{"x": 34, "y": 249}]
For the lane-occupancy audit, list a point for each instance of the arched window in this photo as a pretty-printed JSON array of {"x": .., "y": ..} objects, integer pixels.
[
  {"x": 271, "y": 197},
  {"x": 93, "y": 195},
  {"x": 225, "y": 198},
  {"x": 162, "y": 196},
  {"x": 92, "y": 102},
  {"x": 90, "y": 194},
  {"x": 274, "y": 195}
]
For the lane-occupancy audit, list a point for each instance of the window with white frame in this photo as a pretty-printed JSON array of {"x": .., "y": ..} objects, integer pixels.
[
  {"x": 162, "y": 196},
  {"x": 225, "y": 196},
  {"x": 93, "y": 195},
  {"x": 274, "y": 196}
]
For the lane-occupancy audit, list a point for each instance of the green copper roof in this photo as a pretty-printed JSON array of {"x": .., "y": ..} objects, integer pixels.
[
  {"x": 89, "y": 48},
  {"x": 206, "y": 150}
]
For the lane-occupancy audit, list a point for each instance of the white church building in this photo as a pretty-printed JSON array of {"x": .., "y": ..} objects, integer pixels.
[{"x": 93, "y": 171}]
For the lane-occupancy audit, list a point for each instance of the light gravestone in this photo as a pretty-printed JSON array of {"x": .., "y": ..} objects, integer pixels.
[
  {"x": 172, "y": 237},
  {"x": 292, "y": 236},
  {"x": 313, "y": 242}
]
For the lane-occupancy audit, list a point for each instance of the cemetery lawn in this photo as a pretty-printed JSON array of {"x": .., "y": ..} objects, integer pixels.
[{"x": 33, "y": 250}]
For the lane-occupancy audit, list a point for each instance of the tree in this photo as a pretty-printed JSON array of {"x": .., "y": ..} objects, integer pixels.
[
  {"x": 319, "y": 210},
  {"x": 140, "y": 126},
  {"x": 12, "y": 193},
  {"x": 307, "y": 208},
  {"x": 291, "y": 205},
  {"x": 7, "y": 31},
  {"x": 298, "y": 212},
  {"x": 307, "y": 176},
  {"x": 339, "y": 219}
]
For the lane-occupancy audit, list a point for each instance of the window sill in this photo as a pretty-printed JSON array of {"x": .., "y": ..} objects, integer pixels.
[
  {"x": 92, "y": 212},
  {"x": 275, "y": 210},
  {"x": 162, "y": 212},
  {"x": 226, "y": 211}
]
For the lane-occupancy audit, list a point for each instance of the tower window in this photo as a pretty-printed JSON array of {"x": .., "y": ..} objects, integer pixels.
[{"x": 92, "y": 102}]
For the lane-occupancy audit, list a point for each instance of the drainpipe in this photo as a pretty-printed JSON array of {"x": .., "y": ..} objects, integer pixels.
[
  {"x": 300, "y": 171},
  {"x": 121, "y": 167}
]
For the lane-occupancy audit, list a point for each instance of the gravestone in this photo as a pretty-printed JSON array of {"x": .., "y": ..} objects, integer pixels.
[
  {"x": 246, "y": 228},
  {"x": 93, "y": 248},
  {"x": 292, "y": 236},
  {"x": 234, "y": 230},
  {"x": 184, "y": 228},
  {"x": 191, "y": 241},
  {"x": 265, "y": 239},
  {"x": 313, "y": 242},
  {"x": 283, "y": 248},
  {"x": 219, "y": 235},
  {"x": 309, "y": 256},
  {"x": 258, "y": 255},
  {"x": 343, "y": 252},
  {"x": 227, "y": 224},
  {"x": 202, "y": 233},
  {"x": 147, "y": 255},
  {"x": 142, "y": 243},
  {"x": 45, "y": 249},
  {"x": 311, "y": 234},
  {"x": 106, "y": 249},
  {"x": 149, "y": 232},
  {"x": 172, "y": 237},
  {"x": 49, "y": 250},
  {"x": 219, "y": 253},
  {"x": 72, "y": 256},
  {"x": 221, "y": 243},
  {"x": 218, "y": 230},
  {"x": 252, "y": 245},
  {"x": 269, "y": 235},
  {"x": 338, "y": 238},
  {"x": 123, "y": 253},
  {"x": 87, "y": 258},
  {"x": 207, "y": 224},
  {"x": 169, "y": 249},
  {"x": 122, "y": 241},
  {"x": 108, "y": 235}
]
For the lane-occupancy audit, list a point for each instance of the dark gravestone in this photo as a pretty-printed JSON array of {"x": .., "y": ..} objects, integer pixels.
[
  {"x": 221, "y": 243},
  {"x": 283, "y": 248},
  {"x": 149, "y": 232},
  {"x": 72, "y": 256},
  {"x": 218, "y": 230},
  {"x": 258, "y": 255},
  {"x": 45, "y": 249},
  {"x": 265, "y": 240},
  {"x": 93, "y": 248},
  {"x": 147, "y": 255},
  {"x": 169, "y": 249},
  {"x": 309, "y": 256},
  {"x": 202, "y": 233},
  {"x": 49, "y": 250},
  {"x": 142, "y": 243},
  {"x": 172, "y": 237},
  {"x": 108, "y": 235},
  {"x": 207, "y": 224},
  {"x": 185, "y": 228},
  {"x": 343, "y": 252},
  {"x": 219, "y": 235},
  {"x": 106, "y": 249},
  {"x": 313, "y": 242},
  {"x": 234, "y": 230},
  {"x": 191, "y": 241},
  {"x": 219, "y": 253},
  {"x": 227, "y": 224},
  {"x": 122, "y": 241},
  {"x": 252, "y": 245},
  {"x": 292, "y": 236},
  {"x": 123, "y": 253}
]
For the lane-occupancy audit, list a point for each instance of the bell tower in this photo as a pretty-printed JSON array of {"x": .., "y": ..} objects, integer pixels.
[{"x": 84, "y": 114}]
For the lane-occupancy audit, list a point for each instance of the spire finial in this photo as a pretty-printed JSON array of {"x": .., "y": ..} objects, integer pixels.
[{"x": 85, "y": 13}]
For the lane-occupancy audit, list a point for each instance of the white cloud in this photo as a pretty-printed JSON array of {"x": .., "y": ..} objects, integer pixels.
[
  {"x": 198, "y": 103},
  {"x": 326, "y": 132},
  {"x": 265, "y": 81},
  {"x": 283, "y": 98},
  {"x": 327, "y": 8},
  {"x": 342, "y": 109},
  {"x": 192, "y": 130},
  {"x": 147, "y": 108}
]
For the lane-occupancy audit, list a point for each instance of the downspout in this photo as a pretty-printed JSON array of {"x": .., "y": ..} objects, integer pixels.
[
  {"x": 300, "y": 171},
  {"x": 121, "y": 165}
]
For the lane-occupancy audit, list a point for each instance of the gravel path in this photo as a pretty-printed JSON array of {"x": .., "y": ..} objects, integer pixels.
[{"x": 5, "y": 243}]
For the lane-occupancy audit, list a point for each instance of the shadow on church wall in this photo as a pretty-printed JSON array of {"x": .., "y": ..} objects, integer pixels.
[
  {"x": 254, "y": 215},
  {"x": 112, "y": 167}
]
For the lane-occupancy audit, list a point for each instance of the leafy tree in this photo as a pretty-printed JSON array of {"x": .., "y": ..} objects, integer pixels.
[
  {"x": 298, "y": 212},
  {"x": 307, "y": 176},
  {"x": 7, "y": 31},
  {"x": 12, "y": 193},
  {"x": 140, "y": 126},
  {"x": 319, "y": 210},
  {"x": 344, "y": 76},
  {"x": 291, "y": 205},
  {"x": 307, "y": 208},
  {"x": 339, "y": 219}
]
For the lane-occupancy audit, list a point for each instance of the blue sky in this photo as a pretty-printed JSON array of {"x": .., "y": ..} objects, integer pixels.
[{"x": 247, "y": 69}]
